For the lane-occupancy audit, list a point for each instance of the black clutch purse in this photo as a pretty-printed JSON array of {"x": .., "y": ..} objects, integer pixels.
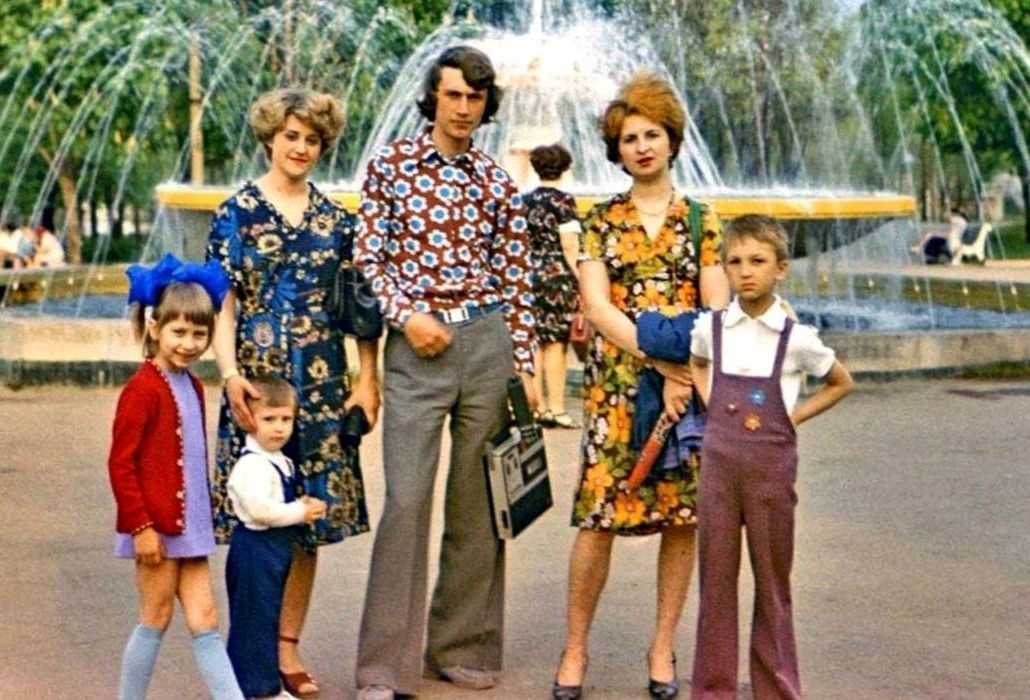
[
  {"x": 353, "y": 425},
  {"x": 352, "y": 305}
]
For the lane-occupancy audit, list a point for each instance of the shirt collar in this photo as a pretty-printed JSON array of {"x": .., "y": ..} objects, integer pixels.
[
  {"x": 473, "y": 160},
  {"x": 278, "y": 457},
  {"x": 774, "y": 318}
]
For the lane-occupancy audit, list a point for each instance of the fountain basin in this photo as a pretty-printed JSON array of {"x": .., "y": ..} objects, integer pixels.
[
  {"x": 936, "y": 352},
  {"x": 728, "y": 204},
  {"x": 50, "y": 349},
  {"x": 185, "y": 211},
  {"x": 81, "y": 351}
]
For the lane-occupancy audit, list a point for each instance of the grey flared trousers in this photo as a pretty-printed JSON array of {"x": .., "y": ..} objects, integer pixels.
[{"x": 467, "y": 384}]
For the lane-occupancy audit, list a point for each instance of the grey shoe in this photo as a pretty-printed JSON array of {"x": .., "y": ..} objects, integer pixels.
[
  {"x": 376, "y": 692},
  {"x": 468, "y": 678}
]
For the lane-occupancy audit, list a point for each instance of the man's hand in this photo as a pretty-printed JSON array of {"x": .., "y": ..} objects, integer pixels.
[
  {"x": 237, "y": 388},
  {"x": 426, "y": 335}
]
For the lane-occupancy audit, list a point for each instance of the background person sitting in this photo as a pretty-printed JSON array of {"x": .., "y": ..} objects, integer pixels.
[
  {"x": 12, "y": 243},
  {"x": 937, "y": 244},
  {"x": 46, "y": 248}
]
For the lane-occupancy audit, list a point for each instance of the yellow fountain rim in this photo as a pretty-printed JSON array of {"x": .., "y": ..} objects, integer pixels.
[{"x": 208, "y": 198}]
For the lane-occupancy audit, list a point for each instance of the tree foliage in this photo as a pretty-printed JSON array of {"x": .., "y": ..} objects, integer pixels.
[{"x": 97, "y": 104}]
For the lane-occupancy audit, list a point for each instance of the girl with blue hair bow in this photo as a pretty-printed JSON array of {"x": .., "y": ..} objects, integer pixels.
[{"x": 158, "y": 471}]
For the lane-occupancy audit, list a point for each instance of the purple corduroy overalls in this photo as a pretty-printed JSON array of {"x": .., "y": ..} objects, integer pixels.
[{"x": 748, "y": 469}]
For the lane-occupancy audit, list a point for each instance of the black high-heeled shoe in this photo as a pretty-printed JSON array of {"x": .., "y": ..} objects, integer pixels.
[
  {"x": 568, "y": 692},
  {"x": 661, "y": 690}
]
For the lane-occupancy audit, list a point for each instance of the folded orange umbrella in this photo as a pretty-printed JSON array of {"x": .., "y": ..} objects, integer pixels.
[{"x": 650, "y": 451}]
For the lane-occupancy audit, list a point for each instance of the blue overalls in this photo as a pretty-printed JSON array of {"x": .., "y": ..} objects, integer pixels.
[
  {"x": 255, "y": 576},
  {"x": 749, "y": 466}
]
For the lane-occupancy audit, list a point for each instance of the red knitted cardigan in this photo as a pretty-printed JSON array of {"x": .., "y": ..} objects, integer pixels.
[{"x": 145, "y": 463}]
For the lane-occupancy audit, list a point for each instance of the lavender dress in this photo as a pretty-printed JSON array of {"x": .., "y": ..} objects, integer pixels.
[{"x": 198, "y": 539}]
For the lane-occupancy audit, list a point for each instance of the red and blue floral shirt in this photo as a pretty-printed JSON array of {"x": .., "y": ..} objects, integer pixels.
[{"x": 438, "y": 233}]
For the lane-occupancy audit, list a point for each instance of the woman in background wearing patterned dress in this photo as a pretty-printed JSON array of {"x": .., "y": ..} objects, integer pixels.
[
  {"x": 554, "y": 235},
  {"x": 280, "y": 240},
  {"x": 637, "y": 255}
]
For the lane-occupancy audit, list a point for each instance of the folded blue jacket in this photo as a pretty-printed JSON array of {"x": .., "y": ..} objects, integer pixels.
[{"x": 664, "y": 338}]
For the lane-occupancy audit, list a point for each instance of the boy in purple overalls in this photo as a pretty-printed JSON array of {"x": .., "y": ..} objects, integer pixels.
[{"x": 749, "y": 361}]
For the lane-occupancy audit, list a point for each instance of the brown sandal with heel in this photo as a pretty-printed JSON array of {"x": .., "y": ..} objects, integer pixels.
[{"x": 293, "y": 682}]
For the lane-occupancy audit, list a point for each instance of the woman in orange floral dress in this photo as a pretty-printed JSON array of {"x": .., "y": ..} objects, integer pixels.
[{"x": 637, "y": 254}]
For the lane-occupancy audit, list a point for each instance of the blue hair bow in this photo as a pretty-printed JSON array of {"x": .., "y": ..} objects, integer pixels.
[{"x": 147, "y": 283}]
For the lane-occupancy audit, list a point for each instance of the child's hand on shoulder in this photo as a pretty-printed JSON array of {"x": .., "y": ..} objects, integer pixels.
[
  {"x": 314, "y": 508},
  {"x": 149, "y": 548}
]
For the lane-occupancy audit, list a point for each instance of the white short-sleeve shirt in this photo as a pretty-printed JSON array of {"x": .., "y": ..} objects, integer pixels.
[{"x": 749, "y": 347}]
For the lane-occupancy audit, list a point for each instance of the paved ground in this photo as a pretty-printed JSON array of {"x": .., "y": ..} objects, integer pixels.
[{"x": 912, "y": 575}]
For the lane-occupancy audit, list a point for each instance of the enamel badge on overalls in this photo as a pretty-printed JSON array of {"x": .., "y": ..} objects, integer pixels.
[{"x": 752, "y": 422}]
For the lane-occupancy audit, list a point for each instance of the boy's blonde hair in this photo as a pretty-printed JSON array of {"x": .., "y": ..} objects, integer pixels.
[
  {"x": 179, "y": 299},
  {"x": 759, "y": 227},
  {"x": 276, "y": 392}
]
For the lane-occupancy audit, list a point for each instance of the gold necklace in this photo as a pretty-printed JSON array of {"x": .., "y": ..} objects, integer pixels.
[{"x": 657, "y": 212}]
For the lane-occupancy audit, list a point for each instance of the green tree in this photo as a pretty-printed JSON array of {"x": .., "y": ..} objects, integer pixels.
[
  {"x": 97, "y": 105},
  {"x": 955, "y": 75}
]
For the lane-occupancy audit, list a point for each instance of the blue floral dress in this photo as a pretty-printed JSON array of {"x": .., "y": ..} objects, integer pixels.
[{"x": 280, "y": 275}]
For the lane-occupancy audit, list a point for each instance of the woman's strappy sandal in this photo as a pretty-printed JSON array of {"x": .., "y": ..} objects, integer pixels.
[
  {"x": 564, "y": 420},
  {"x": 293, "y": 682}
]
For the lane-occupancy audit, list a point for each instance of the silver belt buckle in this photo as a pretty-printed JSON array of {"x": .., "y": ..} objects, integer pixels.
[{"x": 457, "y": 315}]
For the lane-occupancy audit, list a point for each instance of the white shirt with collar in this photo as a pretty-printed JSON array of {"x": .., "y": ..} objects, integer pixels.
[
  {"x": 749, "y": 347},
  {"x": 257, "y": 492}
]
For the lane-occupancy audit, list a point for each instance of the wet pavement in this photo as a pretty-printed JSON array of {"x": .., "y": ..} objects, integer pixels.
[{"x": 912, "y": 567}]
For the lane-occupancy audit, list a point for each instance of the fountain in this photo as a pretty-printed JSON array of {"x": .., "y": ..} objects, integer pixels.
[{"x": 837, "y": 194}]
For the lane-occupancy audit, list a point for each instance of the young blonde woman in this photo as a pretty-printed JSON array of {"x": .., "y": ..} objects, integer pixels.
[{"x": 280, "y": 240}]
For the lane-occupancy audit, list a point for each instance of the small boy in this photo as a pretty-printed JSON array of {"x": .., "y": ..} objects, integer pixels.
[
  {"x": 748, "y": 363},
  {"x": 264, "y": 496}
]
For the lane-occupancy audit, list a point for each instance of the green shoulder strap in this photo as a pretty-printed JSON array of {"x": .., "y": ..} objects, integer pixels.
[{"x": 696, "y": 231}]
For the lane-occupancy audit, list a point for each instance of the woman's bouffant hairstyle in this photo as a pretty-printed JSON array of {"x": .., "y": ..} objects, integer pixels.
[
  {"x": 179, "y": 299},
  {"x": 319, "y": 110},
  {"x": 476, "y": 69},
  {"x": 275, "y": 392},
  {"x": 550, "y": 162},
  {"x": 758, "y": 227},
  {"x": 650, "y": 96}
]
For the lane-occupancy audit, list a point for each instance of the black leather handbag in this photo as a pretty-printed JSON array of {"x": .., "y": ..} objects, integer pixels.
[{"x": 352, "y": 305}]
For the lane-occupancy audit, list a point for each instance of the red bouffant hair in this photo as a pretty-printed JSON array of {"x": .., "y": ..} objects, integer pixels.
[{"x": 652, "y": 97}]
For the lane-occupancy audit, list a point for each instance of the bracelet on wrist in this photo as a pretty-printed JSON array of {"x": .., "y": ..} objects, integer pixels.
[{"x": 230, "y": 373}]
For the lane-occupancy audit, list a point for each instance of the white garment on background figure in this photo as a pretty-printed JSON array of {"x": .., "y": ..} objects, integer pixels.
[{"x": 958, "y": 227}]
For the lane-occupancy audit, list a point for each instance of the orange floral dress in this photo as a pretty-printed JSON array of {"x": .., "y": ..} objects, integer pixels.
[{"x": 645, "y": 275}]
